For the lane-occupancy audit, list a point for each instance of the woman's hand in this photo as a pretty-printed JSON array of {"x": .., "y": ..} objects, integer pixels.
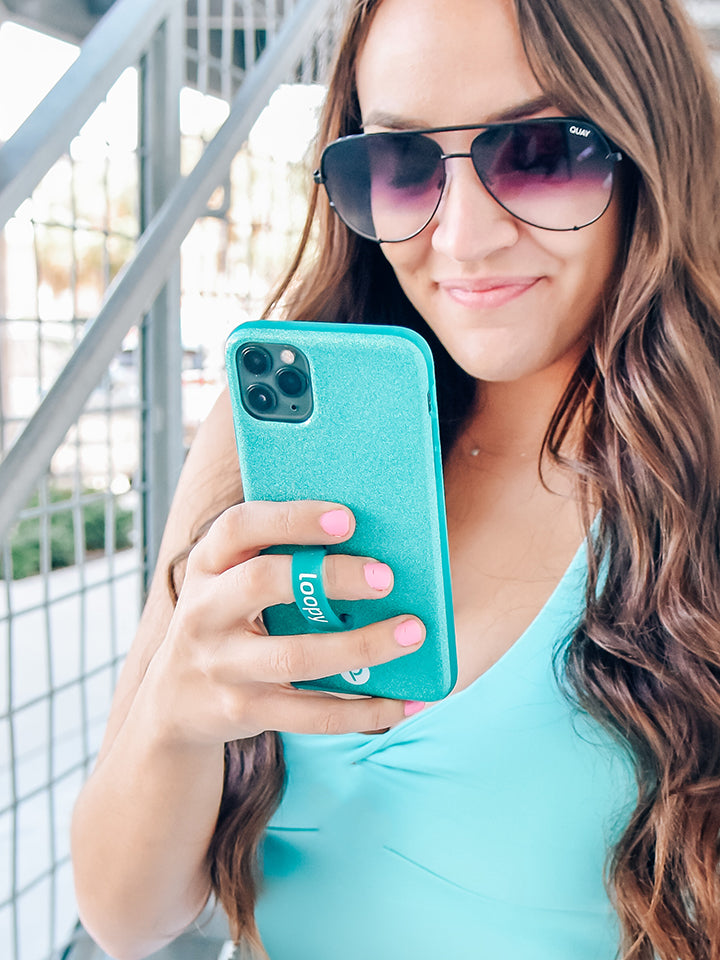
[{"x": 218, "y": 676}]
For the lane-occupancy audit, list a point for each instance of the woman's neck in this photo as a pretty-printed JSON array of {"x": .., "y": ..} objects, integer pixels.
[
  {"x": 493, "y": 486},
  {"x": 508, "y": 421}
]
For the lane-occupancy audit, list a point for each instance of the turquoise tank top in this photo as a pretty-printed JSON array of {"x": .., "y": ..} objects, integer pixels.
[{"x": 477, "y": 829}]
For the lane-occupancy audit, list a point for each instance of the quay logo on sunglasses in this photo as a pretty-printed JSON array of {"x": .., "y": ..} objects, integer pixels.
[{"x": 553, "y": 173}]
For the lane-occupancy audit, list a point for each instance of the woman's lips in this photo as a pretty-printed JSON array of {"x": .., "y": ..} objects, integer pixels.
[{"x": 488, "y": 292}]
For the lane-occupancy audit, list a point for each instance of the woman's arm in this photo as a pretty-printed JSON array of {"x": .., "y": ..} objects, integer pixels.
[{"x": 201, "y": 674}]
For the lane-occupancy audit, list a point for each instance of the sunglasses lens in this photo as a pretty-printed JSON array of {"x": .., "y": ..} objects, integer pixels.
[
  {"x": 384, "y": 186},
  {"x": 555, "y": 175}
]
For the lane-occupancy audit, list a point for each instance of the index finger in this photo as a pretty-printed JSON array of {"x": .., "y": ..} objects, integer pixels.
[{"x": 243, "y": 530}]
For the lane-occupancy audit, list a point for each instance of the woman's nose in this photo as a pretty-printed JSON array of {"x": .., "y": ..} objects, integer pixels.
[{"x": 470, "y": 224}]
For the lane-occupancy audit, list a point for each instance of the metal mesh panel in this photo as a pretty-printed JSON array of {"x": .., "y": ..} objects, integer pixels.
[
  {"x": 65, "y": 583},
  {"x": 225, "y": 37},
  {"x": 72, "y": 568}
]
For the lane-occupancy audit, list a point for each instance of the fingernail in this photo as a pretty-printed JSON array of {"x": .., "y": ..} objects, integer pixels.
[
  {"x": 378, "y": 575},
  {"x": 413, "y": 706},
  {"x": 335, "y": 522},
  {"x": 408, "y": 633}
]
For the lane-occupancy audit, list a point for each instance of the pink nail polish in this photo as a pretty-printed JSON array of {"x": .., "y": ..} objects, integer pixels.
[
  {"x": 408, "y": 633},
  {"x": 378, "y": 575},
  {"x": 413, "y": 706},
  {"x": 335, "y": 522}
]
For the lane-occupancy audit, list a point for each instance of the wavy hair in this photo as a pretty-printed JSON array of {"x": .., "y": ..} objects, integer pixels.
[{"x": 645, "y": 660}]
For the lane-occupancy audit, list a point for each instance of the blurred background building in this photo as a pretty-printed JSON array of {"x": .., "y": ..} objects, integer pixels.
[{"x": 154, "y": 172}]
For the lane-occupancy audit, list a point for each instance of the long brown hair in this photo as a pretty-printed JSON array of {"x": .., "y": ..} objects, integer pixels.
[{"x": 646, "y": 659}]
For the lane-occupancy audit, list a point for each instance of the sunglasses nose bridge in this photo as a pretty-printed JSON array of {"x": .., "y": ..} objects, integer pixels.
[{"x": 461, "y": 156}]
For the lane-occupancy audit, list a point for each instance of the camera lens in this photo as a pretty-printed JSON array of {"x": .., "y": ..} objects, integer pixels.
[
  {"x": 261, "y": 398},
  {"x": 256, "y": 360},
  {"x": 291, "y": 381}
]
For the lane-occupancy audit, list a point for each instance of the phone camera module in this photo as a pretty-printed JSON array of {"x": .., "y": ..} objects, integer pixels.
[
  {"x": 291, "y": 382},
  {"x": 261, "y": 398},
  {"x": 274, "y": 381},
  {"x": 257, "y": 361}
]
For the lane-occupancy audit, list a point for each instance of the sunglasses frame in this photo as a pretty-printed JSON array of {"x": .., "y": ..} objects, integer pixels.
[{"x": 613, "y": 155}]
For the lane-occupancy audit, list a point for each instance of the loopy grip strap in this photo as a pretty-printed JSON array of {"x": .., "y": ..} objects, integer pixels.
[{"x": 309, "y": 592}]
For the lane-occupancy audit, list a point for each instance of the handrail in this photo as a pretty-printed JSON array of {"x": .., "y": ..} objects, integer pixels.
[
  {"x": 136, "y": 286},
  {"x": 115, "y": 43}
]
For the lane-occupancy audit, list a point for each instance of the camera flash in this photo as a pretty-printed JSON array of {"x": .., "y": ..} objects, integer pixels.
[{"x": 287, "y": 356}]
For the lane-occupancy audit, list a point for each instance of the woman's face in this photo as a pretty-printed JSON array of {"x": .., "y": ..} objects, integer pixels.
[{"x": 506, "y": 299}]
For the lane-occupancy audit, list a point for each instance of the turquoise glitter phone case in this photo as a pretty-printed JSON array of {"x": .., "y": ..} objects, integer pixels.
[{"x": 347, "y": 413}]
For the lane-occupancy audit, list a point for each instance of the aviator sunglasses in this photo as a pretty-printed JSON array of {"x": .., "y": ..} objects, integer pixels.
[{"x": 554, "y": 172}]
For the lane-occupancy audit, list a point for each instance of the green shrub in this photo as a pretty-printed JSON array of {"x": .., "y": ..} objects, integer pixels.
[{"x": 25, "y": 540}]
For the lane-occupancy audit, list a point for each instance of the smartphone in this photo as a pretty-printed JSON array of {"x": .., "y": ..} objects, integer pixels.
[{"x": 348, "y": 413}]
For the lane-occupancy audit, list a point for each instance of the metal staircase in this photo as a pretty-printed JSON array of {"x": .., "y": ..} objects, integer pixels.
[{"x": 63, "y": 633}]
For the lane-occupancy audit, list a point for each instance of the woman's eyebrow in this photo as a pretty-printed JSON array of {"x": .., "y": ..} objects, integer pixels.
[
  {"x": 521, "y": 110},
  {"x": 391, "y": 121}
]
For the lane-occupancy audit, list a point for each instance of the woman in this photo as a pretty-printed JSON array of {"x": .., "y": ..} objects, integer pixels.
[{"x": 579, "y": 336}]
